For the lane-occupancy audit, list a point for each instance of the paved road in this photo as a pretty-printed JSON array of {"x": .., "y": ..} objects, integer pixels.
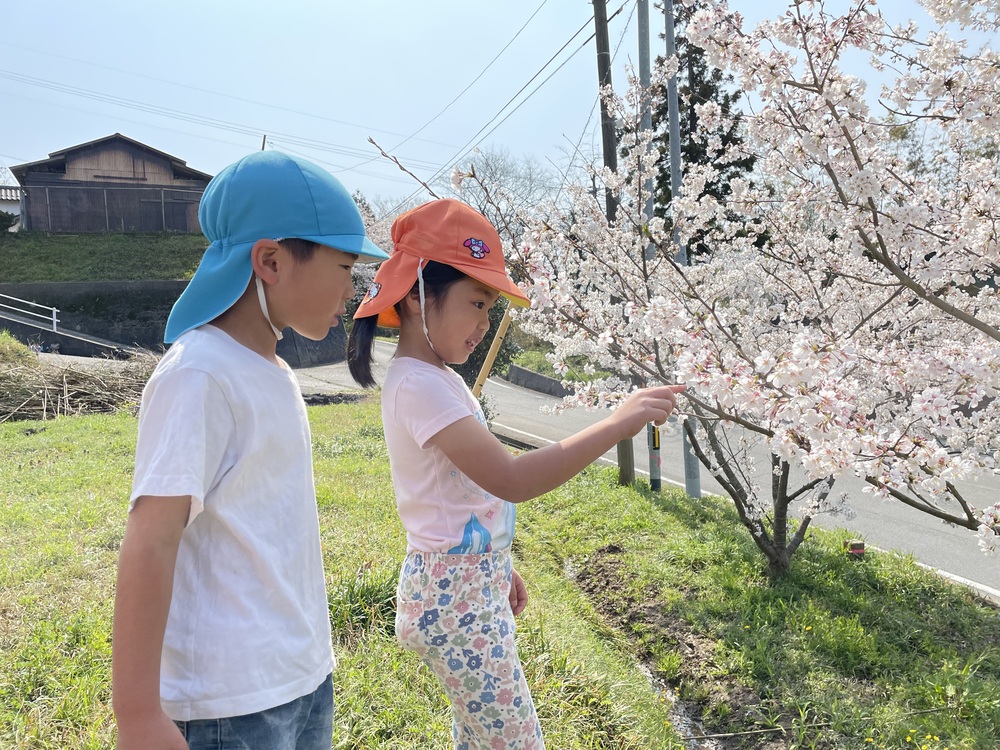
[{"x": 884, "y": 524}]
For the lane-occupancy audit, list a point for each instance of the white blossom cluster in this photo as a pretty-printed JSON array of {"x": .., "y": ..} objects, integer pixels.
[
  {"x": 379, "y": 231},
  {"x": 989, "y": 530},
  {"x": 848, "y": 312}
]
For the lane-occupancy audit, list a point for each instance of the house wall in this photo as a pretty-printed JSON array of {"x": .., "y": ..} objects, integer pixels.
[
  {"x": 112, "y": 186},
  {"x": 121, "y": 162},
  {"x": 110, "y": 208}
]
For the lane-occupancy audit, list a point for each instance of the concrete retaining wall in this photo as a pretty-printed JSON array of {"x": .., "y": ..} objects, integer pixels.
[
  {"x": 62, "y": 343},
  {"x": 134, "y": 313},
  {"x": 534, "y": 381}
]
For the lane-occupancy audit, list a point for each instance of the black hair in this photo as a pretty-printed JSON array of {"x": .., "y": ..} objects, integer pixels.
[
  {"x": 438, "y": 278},
  {"x": 301, "y": 250}
]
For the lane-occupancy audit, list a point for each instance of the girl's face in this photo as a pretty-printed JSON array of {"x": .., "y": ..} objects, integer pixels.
[{"x": 459, "y": 321}]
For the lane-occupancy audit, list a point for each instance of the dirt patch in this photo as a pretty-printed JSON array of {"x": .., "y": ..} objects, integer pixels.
[
  {"x": 705, "y": 696},
  {"x": 322, "y": 399}
]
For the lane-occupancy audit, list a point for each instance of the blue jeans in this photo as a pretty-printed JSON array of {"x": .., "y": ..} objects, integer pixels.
[{"x": 305, "y": 723}]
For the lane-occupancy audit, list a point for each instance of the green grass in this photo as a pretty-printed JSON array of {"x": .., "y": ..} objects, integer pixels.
[
  {"x": 535, "y": 360},
  {"x": 841, "y": 651},
  {"x": 12, "y": 351},
  {"x": 41, "y": 257}
]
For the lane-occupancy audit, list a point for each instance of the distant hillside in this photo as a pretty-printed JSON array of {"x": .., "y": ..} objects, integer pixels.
[{"x": 37, "y": 256}]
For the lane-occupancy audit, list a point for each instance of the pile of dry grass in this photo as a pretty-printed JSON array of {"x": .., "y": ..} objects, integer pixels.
[{"x": 39, "y": 387}]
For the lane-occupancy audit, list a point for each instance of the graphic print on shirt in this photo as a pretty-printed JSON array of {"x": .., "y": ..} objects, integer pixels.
[{"x": 477, "y": 538}]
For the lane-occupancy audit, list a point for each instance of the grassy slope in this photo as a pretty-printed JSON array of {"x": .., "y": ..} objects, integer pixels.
[
  {"x": 861, "y": 644},
  {"x": 36, "y": 256}
]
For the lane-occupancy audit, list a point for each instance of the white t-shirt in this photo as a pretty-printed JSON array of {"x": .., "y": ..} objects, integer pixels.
[
  {"x": 441, "y": 509},
  {"x": 249, "y": 626}
]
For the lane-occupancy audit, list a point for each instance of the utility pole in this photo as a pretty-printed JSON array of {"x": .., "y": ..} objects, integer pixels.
[
  {"x": 609, "y": 145},
  {"x": 692, "y": 470},
  {"x": 609, "y": 142},
  {"x": 645, "y": 125}
]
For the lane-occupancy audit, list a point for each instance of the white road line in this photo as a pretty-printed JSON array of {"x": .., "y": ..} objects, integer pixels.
[
  {"x": 974, "y": 585},
  {"x": 501, "y": 384},
  {"x": 606, "y": 461},
  {"x": 522, "y": 432}
]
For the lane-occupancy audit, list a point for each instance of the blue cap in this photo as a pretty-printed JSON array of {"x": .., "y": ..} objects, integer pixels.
[{"x": 266, "y": 195}]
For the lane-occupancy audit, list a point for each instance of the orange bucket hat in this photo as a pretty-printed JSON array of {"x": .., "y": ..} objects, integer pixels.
[{"x": 446, "y": 231}]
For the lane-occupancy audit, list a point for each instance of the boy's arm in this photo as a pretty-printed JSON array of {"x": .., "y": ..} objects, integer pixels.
[{"x": 142, "y": 602}]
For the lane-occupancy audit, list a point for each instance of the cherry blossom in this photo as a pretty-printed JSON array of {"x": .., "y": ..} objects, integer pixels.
[{"x": 847, "y": 316}]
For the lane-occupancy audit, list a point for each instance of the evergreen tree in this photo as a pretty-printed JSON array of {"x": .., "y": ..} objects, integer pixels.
[{"x": 697, "y": 83}]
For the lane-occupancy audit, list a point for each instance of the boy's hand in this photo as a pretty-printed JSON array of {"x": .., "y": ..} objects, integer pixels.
[
  {"x": 518, "y": 593},
  {"x": 156, "y": 733},
  {"x": 645, "y": 406}
]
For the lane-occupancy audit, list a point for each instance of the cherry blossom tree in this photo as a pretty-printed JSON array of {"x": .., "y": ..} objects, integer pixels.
[{"x": 848, "y": 319}]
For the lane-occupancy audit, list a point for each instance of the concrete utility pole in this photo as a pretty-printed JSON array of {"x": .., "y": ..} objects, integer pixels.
[
  {"x": 626, "y": 455},
  {"x": 646, "y": 124},
  {"x": 692, "y": 470}
]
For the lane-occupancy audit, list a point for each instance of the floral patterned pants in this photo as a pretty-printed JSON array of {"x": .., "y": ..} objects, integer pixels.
[{"x": 454, "y": 612}]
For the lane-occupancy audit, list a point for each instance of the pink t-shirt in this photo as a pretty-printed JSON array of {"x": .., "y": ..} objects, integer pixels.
[{"x": 441, "y": 509}]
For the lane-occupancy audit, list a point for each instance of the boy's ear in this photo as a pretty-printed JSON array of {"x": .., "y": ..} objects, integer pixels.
[{"x": 264, "y": 259}]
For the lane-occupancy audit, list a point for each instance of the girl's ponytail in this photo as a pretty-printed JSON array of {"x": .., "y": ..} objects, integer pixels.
[
  {"x": 360, "y": 344},
  {"x": 438, "y": 278}
]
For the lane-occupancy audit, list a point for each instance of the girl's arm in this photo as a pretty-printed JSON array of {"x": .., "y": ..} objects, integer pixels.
[
  {"x": 484, "y": 459},
  {"x": 142, "y": 602},
  {"x": 518, "y": 593}
]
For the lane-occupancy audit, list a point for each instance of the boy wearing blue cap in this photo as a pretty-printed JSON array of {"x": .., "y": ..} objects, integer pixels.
[{"x": 222, "y": 631}]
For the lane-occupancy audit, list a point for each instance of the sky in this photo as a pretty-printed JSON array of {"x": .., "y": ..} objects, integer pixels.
[{"x": 208, "y": 81}]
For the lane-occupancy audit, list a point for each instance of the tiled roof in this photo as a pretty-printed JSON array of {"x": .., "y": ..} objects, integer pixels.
[{"x": 10, "y": 193}]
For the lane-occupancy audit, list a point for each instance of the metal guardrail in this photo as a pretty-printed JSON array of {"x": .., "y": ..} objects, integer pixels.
[{"x": 52, "y": 314}]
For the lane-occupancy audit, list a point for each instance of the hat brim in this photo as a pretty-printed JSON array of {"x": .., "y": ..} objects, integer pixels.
[
  {"x": 396, "y": 277},
  {"x": 224, "y": 273},
  {"x": 499, "y": 281},
  {"x": 393, "y": 280},
  {"x": 220, "y": 280},
  {"x": 358, "y": 244}
]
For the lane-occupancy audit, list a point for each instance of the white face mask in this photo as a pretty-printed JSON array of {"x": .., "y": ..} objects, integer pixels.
[{"x": 263, "y": 306}]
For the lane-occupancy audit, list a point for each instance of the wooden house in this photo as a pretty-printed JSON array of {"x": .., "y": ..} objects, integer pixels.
[{"x": 113, "y": 184}]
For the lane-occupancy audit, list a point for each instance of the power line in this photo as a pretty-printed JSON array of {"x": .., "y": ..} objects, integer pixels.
[
  {"x": 221, "y": 94},
  {"x": 473, "y": 142},
  {"x": 173, "y": 130},
  {"x": 462, "y": 92},
  {"x": 201, "y": 136},
  {"x": 586, "y": 127},
  {"x": 289, "y": 140},
  {"x": 184, "y": 116},
  {"x": 311, "y": 157}
]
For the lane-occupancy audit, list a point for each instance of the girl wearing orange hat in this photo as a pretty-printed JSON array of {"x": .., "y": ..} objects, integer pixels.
[{"x": 456, "y": 485}]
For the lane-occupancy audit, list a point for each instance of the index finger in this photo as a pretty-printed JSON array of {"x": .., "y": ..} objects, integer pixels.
[{"x": 665, "y": 389}]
